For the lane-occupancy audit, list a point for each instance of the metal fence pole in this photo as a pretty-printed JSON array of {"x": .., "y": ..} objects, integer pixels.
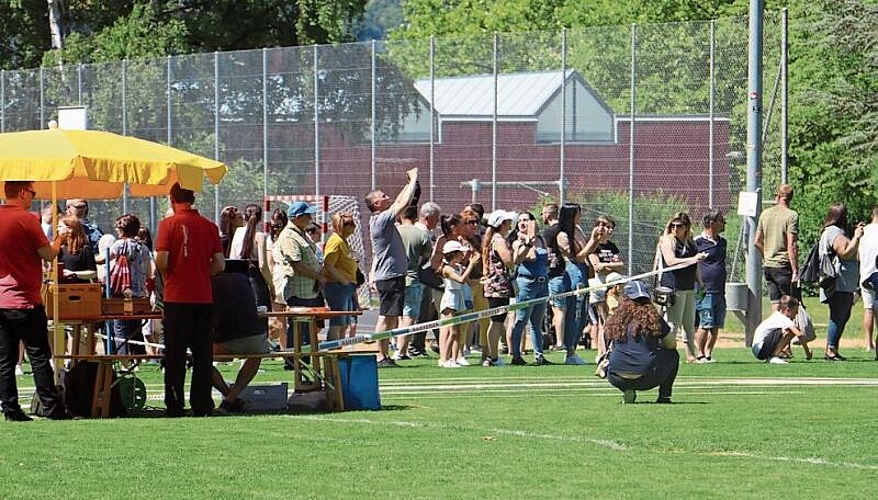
[
  {"x": 372, "y": 127},
  {"x": 712, "y": 110},
  {"x": 562, "y": 181},
  {"x": 784, "y": 95},
  {"x": 494, "y": 130},
  {"x": 42, "y": 102},
  {"x": 3, "y": 100},
  {"x": 633, "y": 109},
  {"x": 316, "y": 128},
  {"x": 432, "y": 112},
  {"x": 124, "y": 118},
  {"x": 216, "y": 133},
  {"x": 265, "y": 213},
  {"x": 754, "y": 168},
  {"x": 79, "y": 85}
]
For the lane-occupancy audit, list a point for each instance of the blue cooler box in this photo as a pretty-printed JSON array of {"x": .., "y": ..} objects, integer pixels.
[{"x": 359, "y": 382}]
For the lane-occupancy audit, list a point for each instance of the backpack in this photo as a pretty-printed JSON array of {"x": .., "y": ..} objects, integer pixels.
[
  {"x": 819, "y": 270},
  {"x": 120, "y": 275}
]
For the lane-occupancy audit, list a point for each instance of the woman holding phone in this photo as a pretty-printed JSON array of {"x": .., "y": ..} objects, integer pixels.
[{"x": 529, "y": 252}]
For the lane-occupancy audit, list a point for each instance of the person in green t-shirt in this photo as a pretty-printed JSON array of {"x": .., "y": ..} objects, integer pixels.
[{"x": 776, "y": 238}]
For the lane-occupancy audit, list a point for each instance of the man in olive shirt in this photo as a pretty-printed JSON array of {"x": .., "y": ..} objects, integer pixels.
[
  {"x": 418, "y": 249},
  {"x": 776, "y": 236}
]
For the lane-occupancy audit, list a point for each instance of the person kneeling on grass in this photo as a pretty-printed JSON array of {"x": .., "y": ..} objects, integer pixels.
[
  {"x": 774, "y": 334},
  {"x": 642, "y": 354},
  {"x": 237, "y": 330}
]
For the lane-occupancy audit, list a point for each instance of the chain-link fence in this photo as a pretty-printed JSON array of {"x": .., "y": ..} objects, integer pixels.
[{"x": 635, "y": 121}]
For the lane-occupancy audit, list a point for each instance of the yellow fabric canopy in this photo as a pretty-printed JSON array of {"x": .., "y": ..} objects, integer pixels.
[{"x": 96, "y": 165}]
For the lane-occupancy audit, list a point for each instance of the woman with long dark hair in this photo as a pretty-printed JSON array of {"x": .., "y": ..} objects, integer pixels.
[
  {"x": 676, "y": 246},
  {"x": 643, "y": 354},
  {"x": 137, "y": 255},
  {"x": 230, "y": 220},
  {"x": 840, "y": 298},
  {"x": 497, "y": 286},
  {"x": 248, "y": 243},
  {"x": 276, "y": 326},
  {"x": 575, "y": 249},
  {"x": 530, "y": 253}
]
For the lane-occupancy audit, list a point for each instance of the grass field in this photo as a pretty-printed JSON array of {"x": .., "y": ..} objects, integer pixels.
[{"x": 738, "y": 428}]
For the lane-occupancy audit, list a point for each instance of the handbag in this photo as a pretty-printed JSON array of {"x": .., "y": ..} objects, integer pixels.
[
  {"x": 361, "y": 278},
  {"x": 827, "y": 273},
  {"x": 662, "y": 295},
  {"x": 428, "y": 277}
]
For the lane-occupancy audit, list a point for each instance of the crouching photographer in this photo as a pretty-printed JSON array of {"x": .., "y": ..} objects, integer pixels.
[{"x": 643, "y": 355}]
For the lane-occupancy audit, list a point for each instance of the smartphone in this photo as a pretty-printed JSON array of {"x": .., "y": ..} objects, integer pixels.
[{"x": 531, "y": 230}]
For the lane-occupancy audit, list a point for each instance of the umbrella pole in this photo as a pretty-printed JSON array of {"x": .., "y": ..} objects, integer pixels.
[{"x": 58, "y": 330}]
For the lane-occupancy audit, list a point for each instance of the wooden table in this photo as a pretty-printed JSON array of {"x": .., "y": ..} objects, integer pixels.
[{"x": 307, "y": 316}]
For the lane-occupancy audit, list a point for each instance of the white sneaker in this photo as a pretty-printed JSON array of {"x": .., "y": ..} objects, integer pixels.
[
  {"x": 498, "y": 362},
  {"x": 777, "y": 361},
  {"x": 450, "y": 364},
  {"x": 573, "y": 359},
  {"x": 487, "y": 363},
  {"x": 462, "y": 361},
  {"x": 19, "y": 371}
]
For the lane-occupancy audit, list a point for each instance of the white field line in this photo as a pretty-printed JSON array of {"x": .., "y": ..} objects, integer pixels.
[{"x": 604, "y": 443}]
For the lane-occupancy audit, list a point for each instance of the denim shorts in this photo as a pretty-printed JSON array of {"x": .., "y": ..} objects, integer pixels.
[
  {"x": 412, "y": 305},
  {"x": 556, "y": 286},
  {"x": 711, "y": 311}
]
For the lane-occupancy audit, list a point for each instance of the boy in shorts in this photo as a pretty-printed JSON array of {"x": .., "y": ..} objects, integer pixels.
[{"x": 774, "y": 334}]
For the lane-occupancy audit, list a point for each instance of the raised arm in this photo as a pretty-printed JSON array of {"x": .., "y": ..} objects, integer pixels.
[{"x": 405, "y": 196}]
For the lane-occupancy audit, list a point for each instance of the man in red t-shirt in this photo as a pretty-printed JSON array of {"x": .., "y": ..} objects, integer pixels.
[
  {"x": 188, "y": 253},
  {"x": 22, "y": 315}
]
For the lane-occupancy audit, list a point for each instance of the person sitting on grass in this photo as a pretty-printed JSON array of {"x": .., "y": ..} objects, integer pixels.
[
  {"x": 237, "y": 330},
  {"x": 642, "y": 354},
  {"x": 773, "y": 335}
]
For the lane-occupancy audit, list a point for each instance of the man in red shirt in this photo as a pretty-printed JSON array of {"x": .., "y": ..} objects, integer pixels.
[
  {"x": 22, "y": 314},
  {"x": 188, "y": 253}
]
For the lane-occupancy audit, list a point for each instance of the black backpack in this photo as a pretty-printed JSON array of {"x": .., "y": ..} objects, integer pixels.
[{"x": 810, "y": 270}]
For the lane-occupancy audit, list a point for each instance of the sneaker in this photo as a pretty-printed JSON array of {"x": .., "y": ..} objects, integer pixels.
[
  {"x": 19, "y": 371},
  {"x": 17, "y": 416},
  {"x": 629, "y": 396},
  {"x": 498, "y": 362},
  {"x": 701, "y": 360},
  {"x": 518, "y": 361},
  {"x": 709, "y": 359},
  {"x": 487, "y": 363},
  {"x": 573, "y": 359},
  {"x": 400, "y": 357},
  {"x": 466, "y": 351},
  {"x": 462, "y": 361},
  {"x": 450, "y": 364},
  {"x": 387, "y": 363},
  {"x": 663, "y": 401},
  {"x": 541, "y": 361},
  {"x": 775, "y": 360}
]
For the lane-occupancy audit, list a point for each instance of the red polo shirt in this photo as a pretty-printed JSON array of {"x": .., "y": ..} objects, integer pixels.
[
  {"x": 191, "y": 241},
  {"x": 21, "y": 268}
]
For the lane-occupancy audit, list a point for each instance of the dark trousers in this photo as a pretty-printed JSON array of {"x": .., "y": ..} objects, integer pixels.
[
  {"x": 28, "y": 326},
  {"x": 188, "y": 325},
  {"x": 667, "y": 363},
  {"x": 427, "y": 313}
]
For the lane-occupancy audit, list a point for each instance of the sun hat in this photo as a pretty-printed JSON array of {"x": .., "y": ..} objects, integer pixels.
[
  {"x": 300, "y": 208},
  {"x": 613, "y": 277},
  {"x": 497, "y": 217},
  {"x": 636, "y": 290},
  {"x": 452, "y": 246}
]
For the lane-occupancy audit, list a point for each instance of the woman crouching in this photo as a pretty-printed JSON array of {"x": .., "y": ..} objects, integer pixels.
[{"x": 643, "y": 356}]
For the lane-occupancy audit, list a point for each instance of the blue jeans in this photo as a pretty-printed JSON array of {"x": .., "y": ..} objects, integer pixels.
[
  {"x": 840, "y": 304},
  {"x": 575, "y": 308},
  {"x": 530, "y": 289}
]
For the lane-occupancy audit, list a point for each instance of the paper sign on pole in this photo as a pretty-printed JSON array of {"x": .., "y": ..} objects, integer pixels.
[{"x": 747, "y": 202}]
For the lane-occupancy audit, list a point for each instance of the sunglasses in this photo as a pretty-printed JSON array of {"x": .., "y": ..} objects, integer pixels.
[
  {"x": 675, "y": 225},
  {"x": 605, "y": 224},
  {"x": 31, "y": 191},
  {"x": 473, "y": 222}
]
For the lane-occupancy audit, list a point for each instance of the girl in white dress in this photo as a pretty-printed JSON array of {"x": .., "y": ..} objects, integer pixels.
[{"x": 452, "y": 299}]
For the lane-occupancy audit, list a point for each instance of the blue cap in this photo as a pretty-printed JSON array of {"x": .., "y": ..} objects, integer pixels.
[
  {"x": 636, "y": 290},
  {"x": 300, "y": 208}
]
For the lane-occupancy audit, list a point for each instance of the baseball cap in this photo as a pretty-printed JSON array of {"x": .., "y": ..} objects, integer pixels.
[
  {"x": 636, "y": 290},
  {"x": 300, "y": 208},
  {"x": 613, "y": 278},
  {"x": 497, "y": 217},
  {"x": 452, "y": 246}
]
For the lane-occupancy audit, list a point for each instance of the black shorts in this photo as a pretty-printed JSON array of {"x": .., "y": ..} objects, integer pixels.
[
  {"x": 771, "y": 342},
  {"x": 780, "y": 282},
  {"x": 497, "y": 302},
  {"x": 391, "y": 296}
]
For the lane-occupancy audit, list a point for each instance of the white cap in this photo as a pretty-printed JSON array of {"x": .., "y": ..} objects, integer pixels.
[
  {"x": 452, "y": 246},
  {"x": 613, "y": 277},
  {"x": 497, "y": 217}
]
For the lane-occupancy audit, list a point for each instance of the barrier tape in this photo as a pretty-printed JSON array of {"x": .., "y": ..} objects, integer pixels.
[{"x": 477, "y": 315}]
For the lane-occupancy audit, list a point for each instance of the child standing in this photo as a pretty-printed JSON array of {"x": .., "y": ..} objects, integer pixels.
[{"x": 452, "y": 299}]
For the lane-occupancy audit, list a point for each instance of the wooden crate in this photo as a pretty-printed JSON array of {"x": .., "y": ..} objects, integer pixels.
[
  {"x": 80, "y": 300},
  {"x": 125, "y": 306}
]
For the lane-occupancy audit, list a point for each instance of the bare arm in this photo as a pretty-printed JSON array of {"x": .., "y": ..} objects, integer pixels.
[
  {"x": 667, "y": 247},
  {"x": 522, "y": 250},
  {"x": 301, "y": 268},
  {"x": 504, "y": 253},
  {"x": 847, "y": 248},
  {"x": 161, "y": 261},
  {"x": 589, "y": 247},
  {"x": 759, "y": 244},
  {"x": 405, "y": 196},
  {"x": 436, "y": 258},
  {"x": 793, "y": 249},
  {"x": 49, "y": 252},
  {"x": 264, "y": 268},
  {"x": 217, "y": 264}
]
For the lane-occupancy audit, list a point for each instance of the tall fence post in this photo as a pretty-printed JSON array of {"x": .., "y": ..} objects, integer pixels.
[
  {"x": 79, "y": 85},
  {"x": 42, "y": 102},
  {"x": 784, "y": 93},
  {"x": 373, "y": 128},
  {"x": 216, "y": 133},
  {"x": 562, "y": 181},
  {"x": 316, "y": 127},
  {"x": 711, "y": 159},
  {"x": 125, "y": 200},
  {"x": 754, "y": 168},
  {"x": 265, "y": 213},
  {"x": 432, "y": 113},
  {"x": 632, "y": 111},
  {"x": 494, "y": 129},
  {"x": 2, "y": 100}
]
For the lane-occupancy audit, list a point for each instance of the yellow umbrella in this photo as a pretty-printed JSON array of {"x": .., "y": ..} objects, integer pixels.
[{"x": 96, "y": 165}]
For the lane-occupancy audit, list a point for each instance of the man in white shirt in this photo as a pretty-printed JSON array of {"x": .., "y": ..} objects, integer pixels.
[
  {"x": 868, "y": 254},
  {"x": 774, "y": 334}
]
